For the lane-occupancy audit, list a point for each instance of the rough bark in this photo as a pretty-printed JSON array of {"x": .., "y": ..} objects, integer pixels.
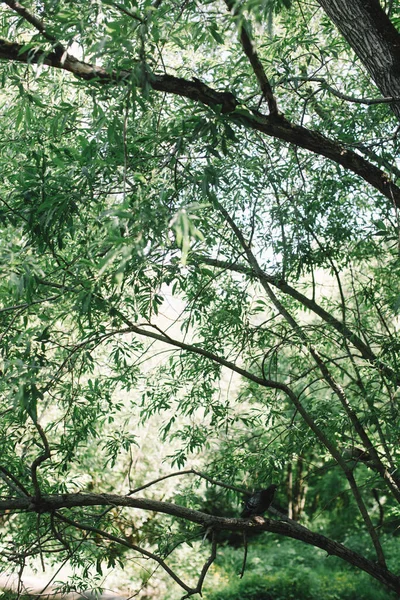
[{"x": 374, "y": 39}]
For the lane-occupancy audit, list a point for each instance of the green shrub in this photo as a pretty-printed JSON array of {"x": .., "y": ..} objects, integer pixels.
[
  {"x": 296, "y": 586},
  {"x": 290, "y": 571}
]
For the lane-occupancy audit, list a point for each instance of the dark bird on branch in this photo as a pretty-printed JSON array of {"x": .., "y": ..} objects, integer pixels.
[
  {"x": 357, "y": 454},
  {"x": 259, "y": 502}
]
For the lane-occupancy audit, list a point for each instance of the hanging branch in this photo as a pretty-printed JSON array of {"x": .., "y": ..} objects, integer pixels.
[{"x": 113, "y": 538}]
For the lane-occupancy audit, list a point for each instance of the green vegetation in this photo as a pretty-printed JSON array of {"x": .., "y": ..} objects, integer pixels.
[
  {"x": 286, "y": 570},
  {"x": 199, "y": 246}
]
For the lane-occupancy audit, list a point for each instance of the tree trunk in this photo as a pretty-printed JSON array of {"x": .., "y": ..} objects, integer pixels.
[
  {"x": 296, "y": 489},
  {"x": 374, "y": 39},
  {"x": 289, "y": 490}
]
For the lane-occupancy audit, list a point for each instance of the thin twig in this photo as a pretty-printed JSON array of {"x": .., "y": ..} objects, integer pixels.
[
  {"x": 14, "y": 483},
  {"x": 127, "y": 12},
  {"x": 29, "y": 304},
  {"x": 244, "y": 555},
  {"x": 341, "y": 95},
  {"x": 190, "y": 472},
  {"x": 39, "y": 460}
]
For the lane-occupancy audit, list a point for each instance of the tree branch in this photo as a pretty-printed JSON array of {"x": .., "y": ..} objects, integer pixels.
[
  {"x": 191, "y": 472},
  {"x": 335, "y": 388},
  {"x": 287, "y": 289},
  {"x": 319, "y": 433},
  {"x": 39, "y": 460},
  {"x": 273, "y": 126},
  {"x": 206, "y": 566},
  {"x": 127, "y": 12},
  {"x": 252, "y": 55},
  {"x": 286, "y": 528},
  {"x": 123, "y": 542},
  {"x": 365, "y": 26},
  {"x": 32, "y": 19},
  {"x": 17, "y": 485},
  {"x": 29, "y": 304},
  {"x": 325, "y": 85}
]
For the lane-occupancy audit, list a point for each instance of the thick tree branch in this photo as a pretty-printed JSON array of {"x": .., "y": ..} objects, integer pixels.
[
  {"x": 315, "y": 142},
  {"x": 276, "y": 127},
  {"x": 286, "y": 528},
  {"x": 38, "y": 24}
]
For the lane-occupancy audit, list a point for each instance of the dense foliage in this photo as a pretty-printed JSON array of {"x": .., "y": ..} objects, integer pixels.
[{"x": 200, "y": 256}]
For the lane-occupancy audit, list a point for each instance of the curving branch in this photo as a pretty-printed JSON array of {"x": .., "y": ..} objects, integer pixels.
[
  {"x": 123, "y": 542},
  {"x": 190, "y": 472},
  {"x": 276, "y": 126},
  {"x": 286, "y": 527}
]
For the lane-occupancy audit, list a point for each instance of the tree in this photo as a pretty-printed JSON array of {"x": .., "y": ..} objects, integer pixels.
[{"x": 238, "y": 157}]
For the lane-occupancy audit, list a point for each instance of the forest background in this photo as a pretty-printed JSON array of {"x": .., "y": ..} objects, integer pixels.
[{"x": 200, "y": 296}]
